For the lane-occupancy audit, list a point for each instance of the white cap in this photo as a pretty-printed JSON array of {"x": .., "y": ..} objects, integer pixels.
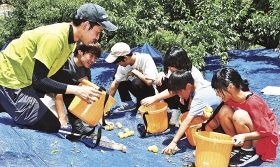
[{"x": 119, "y": 49}]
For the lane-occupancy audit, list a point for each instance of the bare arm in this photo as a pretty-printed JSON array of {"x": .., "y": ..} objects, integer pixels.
[
  {"x": 113, "y": 88},
  {"x": 157, "y": 97},
  {"x": 160, "y": 78},
  {"x": 141, "y": 76},
  {"x": 185, "y": 124},
  {"x": 59, "y": 104},
  {"x": 239, "y": 139},
  {"x": 170, "y": 149}
]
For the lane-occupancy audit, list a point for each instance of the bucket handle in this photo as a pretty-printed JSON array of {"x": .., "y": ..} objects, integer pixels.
[
  {"x": 215, "y": 112},
  {"x": 142, "y": 129},
  {"x": 99, "y": 131},
  {"x": 105, "y": 101}
]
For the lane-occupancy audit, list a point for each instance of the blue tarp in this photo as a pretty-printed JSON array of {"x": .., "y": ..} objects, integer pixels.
[
  {"x": 24, "y": 147},
  {"x": 146, "y": 48}
]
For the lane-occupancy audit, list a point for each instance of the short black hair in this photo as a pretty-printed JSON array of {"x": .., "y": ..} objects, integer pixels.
[
  {"x": 93, "y": 48},
  {"x": 77, "y": 22},
  {"x": 121, "y": 58},
  {"x": 179, "y": 79},
  {"x": 225, "y": 76},
  {"x": 177, "y": 57}
]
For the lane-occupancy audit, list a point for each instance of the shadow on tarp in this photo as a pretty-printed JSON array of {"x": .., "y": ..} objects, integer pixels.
[
  {"x": 12, "y": 156},
  {"x": 16, "y": 159},
  {"x": 6, "y": 120}
]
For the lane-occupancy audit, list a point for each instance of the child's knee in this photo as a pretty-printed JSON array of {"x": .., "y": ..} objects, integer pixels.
[
  {"x": 241, "y": 117},
  {"x": 225, "y": 113}
]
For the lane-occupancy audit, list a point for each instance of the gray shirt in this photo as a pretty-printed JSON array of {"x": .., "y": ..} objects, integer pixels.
[{"x": 203, "y": 96}]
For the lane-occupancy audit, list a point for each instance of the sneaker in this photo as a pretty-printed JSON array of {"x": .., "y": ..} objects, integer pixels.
[
  {"x": 234, "y": 151},
  {"x": 125, "y": 106},
  {"x": 65, "y": 130},
  {"x": 175, "y": 114},
  {"x": 82, "y": 128},
  {"x": 243, "y": 158}
]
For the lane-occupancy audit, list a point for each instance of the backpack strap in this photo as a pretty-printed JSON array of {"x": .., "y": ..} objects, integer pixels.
[
  {"x": 103, "y": 116},
  {"x": 215, "y": 112}
]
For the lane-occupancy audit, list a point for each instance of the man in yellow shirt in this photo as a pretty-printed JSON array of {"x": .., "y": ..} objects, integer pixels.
[{"x": 29, "y": 61}]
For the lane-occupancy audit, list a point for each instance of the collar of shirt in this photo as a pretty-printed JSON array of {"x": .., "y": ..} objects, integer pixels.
[{"x": 71, "y": 35}]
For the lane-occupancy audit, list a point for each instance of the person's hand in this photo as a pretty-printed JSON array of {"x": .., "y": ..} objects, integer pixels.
[
  {"x": 160, "y": 78},
  {"x": 129, "y": 74},
  {"x": 182, "y": 101},
  {"x": 238, "y": 139},
  {"x": 88, "y": 94},
  {"x": 170, "y": 149},
  {"x": 148, "y": 100},
  {"x": 133, "y": 73}
]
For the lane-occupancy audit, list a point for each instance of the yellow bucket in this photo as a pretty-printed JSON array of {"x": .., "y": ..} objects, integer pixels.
[
  {"x": 157, "y": 119},
  {"x": 190, "y": 131},
  {"x": 91, "y": 113},
  {"x": 212, "y": 149}
]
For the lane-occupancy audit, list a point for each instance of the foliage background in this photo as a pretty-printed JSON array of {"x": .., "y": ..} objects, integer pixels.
[{"x": 200, "y": 26}]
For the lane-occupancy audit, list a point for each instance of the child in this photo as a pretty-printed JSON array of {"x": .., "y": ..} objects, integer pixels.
[
  {"x": 175, "y": 58},
  {"x": 248, "y": 119},
  {"x": 182, "y": 83},
  {"x": 136, "y": 74}
]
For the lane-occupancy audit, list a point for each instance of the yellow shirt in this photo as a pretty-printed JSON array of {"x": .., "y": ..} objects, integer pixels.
[{"x": 48, "y": 44}]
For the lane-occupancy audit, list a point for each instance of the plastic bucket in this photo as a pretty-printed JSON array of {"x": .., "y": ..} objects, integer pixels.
[
  {"x": 110, "y": 101},
  {"x": 190, "y": 131},
  {"x": 157, "y": 119},
  {"x": 212, "y": 149},
  {"x": 90, "y": 113}
]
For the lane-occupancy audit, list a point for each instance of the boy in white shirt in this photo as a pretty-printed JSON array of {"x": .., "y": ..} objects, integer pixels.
[{"x": 136, "y": 74}]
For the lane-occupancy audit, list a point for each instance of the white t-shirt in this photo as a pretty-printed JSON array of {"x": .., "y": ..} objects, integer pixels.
[
  {"x": 198, "y": 77},
  {"x": 143, "y": 63},
  {"x": 196, "y": 74}
]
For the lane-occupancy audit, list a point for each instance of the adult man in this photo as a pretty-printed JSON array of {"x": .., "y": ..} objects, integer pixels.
[
  {"x": 29, "y": 61},
  {"x": 136, "y": 74}
]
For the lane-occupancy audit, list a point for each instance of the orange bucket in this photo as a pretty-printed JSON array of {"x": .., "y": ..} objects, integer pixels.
[
  {"x": 110, "y": 102},
  {"x": 156, "y": 116},
  {"x": 212, "y": 149},
  {"x": 192, "y": 127},
  {"x": 91, "y": 113}
]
